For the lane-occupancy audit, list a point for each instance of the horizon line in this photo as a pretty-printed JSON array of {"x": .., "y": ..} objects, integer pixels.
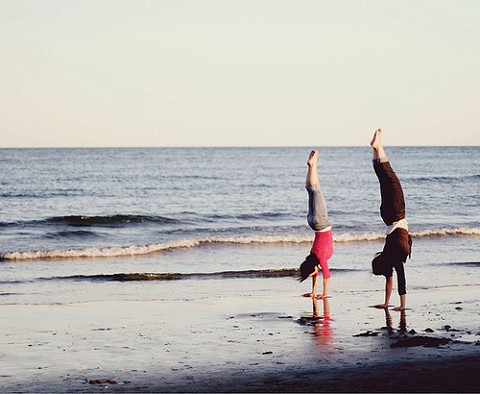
[{"x": 231, "y": 146}]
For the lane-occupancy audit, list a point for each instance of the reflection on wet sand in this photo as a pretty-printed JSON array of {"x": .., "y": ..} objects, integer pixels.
[
  {"x": 320, "y": 322},
  {"x": 402, "y": 327},
  {"x": 323, "y": 329}
]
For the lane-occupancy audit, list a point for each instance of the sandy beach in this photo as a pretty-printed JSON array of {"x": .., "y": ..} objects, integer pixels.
[{"x": 261, "y": 336}]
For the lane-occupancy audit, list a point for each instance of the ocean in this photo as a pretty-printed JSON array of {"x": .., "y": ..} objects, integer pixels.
[{"x": 89, "y": 224}]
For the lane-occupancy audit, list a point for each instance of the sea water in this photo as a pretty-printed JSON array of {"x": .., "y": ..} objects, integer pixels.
[{"x": 86, "y": 224}]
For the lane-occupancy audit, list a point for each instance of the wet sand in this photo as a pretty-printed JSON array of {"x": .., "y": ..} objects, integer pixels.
[{"x": 264, "y": 337}]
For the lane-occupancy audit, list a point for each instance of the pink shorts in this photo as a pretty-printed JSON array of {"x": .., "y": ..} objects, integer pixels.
[{"x": 323, "y": 248}]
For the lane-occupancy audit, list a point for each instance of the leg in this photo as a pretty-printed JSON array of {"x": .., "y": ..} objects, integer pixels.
[
  {"x": 312, "y": 173},
  {"x": 317, "y": 216},
  {"x": 392, "y": 208},
  {"x": 376, "y": 144}
]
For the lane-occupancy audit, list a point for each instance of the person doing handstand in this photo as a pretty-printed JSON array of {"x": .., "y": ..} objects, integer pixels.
[
  {"x": 392, "y": 210},
  {"x": 317, "y": 218}
]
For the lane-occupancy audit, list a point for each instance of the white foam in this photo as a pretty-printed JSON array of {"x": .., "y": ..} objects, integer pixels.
[
  {"x": 354, "y": 237},
  {"x": 137, "y": 250},
  {"x": 118, "y": 251},
  {"x": 446, "y": 232}
]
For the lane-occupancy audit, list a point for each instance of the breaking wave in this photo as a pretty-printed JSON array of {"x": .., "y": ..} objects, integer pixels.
[
  {"x": 138, "y": 250},
  {"x": 446, "y": 232}
]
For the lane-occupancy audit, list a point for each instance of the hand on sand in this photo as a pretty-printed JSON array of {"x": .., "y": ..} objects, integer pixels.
[
  {"x": 308, "y": 295},
  {"x": 317, "y": 297}
]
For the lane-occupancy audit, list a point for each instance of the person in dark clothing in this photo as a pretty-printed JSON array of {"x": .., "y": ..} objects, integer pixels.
[{"x": 392, "y": 210}]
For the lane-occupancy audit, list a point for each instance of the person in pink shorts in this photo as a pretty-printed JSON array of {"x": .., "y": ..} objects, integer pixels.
[{"x": 317, "y": 218}]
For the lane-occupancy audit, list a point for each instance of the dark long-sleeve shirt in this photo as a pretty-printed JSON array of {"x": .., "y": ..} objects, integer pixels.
[{"x": 395, "y": 252}]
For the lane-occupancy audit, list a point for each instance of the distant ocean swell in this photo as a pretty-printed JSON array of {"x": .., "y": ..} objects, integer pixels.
[
  {"x": 90, "y": 221},
  {"x": 124, "y": 220},
  {"x": 137, "y": 250},
  {"x": 445, "y": 179}
]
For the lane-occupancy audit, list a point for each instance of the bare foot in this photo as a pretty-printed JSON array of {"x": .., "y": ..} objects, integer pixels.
[
  {"x": 381, "y": 306},
  {"x": 313, "y": 158},
  {"x": 376, "y": 141},
  {"x": 321, "y": 296},
  {"x": 399, "y": 308}
]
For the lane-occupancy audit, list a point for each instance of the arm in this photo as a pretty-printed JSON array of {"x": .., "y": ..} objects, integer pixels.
[
  {"x": 388, "y": 289},
  {"x": 314, "y": 288},
  {"x": 388, "y": 292},
  {"x": 314, "y": 276},
  {"x": 314, "y": 284}
]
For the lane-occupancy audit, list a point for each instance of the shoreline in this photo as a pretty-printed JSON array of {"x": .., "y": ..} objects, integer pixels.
[{"x": 263, "y": 337}]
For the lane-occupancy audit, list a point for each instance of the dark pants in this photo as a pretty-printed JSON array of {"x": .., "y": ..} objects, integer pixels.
[{"x": 392, "y": 208}]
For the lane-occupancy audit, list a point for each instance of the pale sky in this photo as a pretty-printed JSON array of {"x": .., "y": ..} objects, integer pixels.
[{"x": 239, "y": 72}]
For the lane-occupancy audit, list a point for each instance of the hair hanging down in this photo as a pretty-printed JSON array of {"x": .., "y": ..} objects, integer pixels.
[{"x": 308, "y": 266}]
